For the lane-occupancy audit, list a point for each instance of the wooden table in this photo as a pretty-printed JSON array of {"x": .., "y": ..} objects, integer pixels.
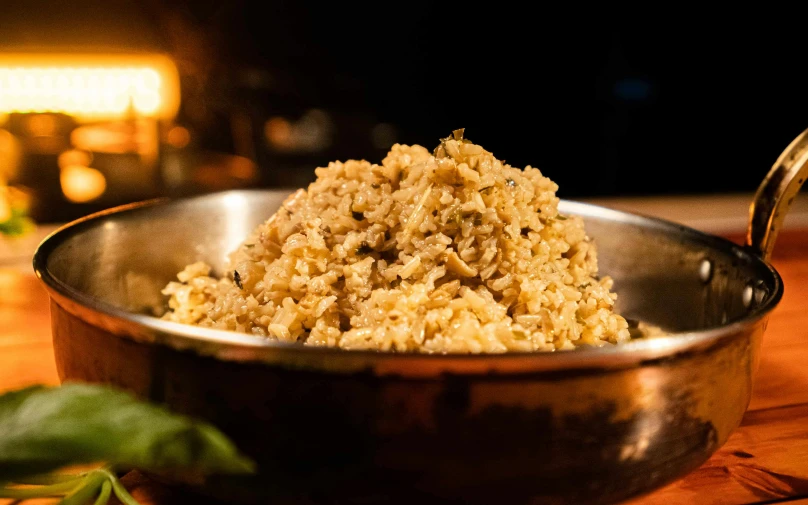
[{"x": 764, "y": 461}]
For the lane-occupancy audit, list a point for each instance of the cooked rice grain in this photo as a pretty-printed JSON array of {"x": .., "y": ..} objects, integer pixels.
[{"x": 451, "y": 252}]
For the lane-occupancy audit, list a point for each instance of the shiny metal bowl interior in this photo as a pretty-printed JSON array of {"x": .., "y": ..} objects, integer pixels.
[{"x": 112, "y": 266}]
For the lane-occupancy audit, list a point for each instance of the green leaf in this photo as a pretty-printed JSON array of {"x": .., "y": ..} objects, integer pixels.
[
  {"x": 90, "y": 488},
  {"x": 103, "y": 496},
  {"x": 44, "y": 428},
  {"x": 120, "y": 492}
]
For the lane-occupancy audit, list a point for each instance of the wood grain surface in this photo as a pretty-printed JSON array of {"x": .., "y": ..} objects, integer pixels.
[{"x": 764, "y": 461}]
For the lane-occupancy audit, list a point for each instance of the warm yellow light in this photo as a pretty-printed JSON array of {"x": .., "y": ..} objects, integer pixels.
[
  {"x": 10, "y": 156},
  {"x": 5, "y": 204},
  {"x": 89, "y": 86},
  {"x": 178, "y": 137},
  {"x": 278, "y": 132},
  {"x": 82, "y": 184}
]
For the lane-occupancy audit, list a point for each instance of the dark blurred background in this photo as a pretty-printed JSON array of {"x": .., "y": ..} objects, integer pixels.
[{"x": 606, "y": 104}]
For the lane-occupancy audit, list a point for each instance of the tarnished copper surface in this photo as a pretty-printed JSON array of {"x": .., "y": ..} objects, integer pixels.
[{"x": 589, "y": 426}]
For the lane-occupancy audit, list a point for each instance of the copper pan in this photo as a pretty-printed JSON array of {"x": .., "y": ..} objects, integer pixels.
[{"x": 595, "y": 425}]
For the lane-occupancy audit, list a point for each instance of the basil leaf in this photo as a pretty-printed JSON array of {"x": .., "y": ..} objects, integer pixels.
[{"x": 43, "y": 428}]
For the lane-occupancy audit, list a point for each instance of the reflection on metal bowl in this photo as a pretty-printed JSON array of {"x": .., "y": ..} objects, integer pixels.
[{"x": 588, "y": 426}]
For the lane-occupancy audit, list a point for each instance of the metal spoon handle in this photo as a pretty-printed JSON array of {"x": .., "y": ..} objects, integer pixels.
[{"x": 775, "y": 195}]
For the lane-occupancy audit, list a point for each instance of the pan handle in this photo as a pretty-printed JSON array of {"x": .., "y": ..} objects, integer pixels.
[{"x": 775, "y": 196}]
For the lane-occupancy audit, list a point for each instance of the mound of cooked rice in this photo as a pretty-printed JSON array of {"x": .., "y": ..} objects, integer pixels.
[{"x": 451, "y": 252}]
